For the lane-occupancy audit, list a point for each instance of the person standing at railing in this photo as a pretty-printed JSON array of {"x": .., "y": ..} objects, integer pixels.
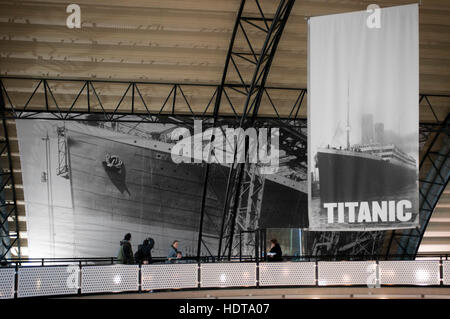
[
  {"x": 125, "y": 255},
  {"x": 144, "y": 253},
  {"x": 275, "y": 253},
  {"x": 173, "y": 252}
]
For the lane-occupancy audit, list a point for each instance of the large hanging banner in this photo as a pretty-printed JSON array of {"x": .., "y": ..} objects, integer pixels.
[{"x": 363, "y": 120}]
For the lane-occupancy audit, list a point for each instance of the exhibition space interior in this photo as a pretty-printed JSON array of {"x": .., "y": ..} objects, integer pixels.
[{"x": 217, "y": 149}]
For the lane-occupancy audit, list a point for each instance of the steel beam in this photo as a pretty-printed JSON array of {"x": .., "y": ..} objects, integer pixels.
[
  {"x": 217, "y": 104},
  {"x": 167, "y": 112},
  {"x": 407, "y": 242},
  {"x": 254, "y": 91},
  {"x": 8, "y": 204}
]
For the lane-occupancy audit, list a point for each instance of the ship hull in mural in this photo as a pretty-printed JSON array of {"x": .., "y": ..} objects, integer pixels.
[
  {"x": 150, "y": 190},
  {"x": 339, "y": 169}
]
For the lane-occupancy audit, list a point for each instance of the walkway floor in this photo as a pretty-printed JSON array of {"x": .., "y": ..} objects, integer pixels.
[{"x": 289, "y": 293}]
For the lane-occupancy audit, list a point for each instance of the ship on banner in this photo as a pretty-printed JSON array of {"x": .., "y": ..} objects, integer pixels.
[{"x": 363, "y": 121}]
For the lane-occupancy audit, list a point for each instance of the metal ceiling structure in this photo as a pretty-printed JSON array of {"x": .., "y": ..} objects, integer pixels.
[
  {"x": 433, "y": 182},
  {"x": 46, "y": 100},
  {"x": 163, "y": 62},
  {"x": 261, "y": 61}
]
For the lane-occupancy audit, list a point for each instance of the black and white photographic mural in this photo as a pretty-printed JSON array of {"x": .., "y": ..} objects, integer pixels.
[{"x": 88, "y": 182}]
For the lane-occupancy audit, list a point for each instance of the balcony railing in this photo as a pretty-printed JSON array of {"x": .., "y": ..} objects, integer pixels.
[{"x": 56, "y": 277}]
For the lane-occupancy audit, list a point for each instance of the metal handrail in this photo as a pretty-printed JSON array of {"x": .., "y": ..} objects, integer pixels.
[
  {"x": 443, "y": 280},
  {"x": 210, "y": 259}
]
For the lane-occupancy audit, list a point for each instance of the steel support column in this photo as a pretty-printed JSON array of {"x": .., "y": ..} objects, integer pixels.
[
  {"x": 217, "y": 104},
  {"x": 254, "y": 90},
  {"x": 405, "y": 243},
  {"x": 432, "y": 187},
  {"x": 8, "y": 200}
]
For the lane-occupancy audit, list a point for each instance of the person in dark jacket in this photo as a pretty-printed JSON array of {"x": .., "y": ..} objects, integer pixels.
[
  {"x": 173, "y": 251},
  {"x": 275, "y": 253},
  {"x": 144, "y": 253},
  {"x": 125, "y": 255}
]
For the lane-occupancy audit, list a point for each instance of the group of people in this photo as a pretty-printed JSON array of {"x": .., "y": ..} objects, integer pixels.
[{"x": 143, "y": 254}]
